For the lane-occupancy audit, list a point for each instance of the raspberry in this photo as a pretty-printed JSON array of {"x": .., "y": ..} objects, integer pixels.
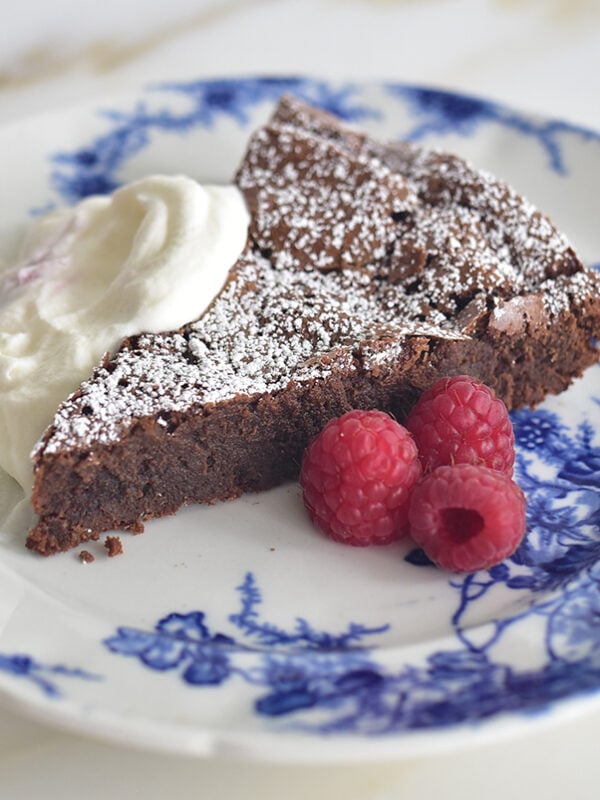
[
  {"x": 467, "y": 517},
  {"x": 461, "y": 421},
  {"x": 356, "y": 477}
]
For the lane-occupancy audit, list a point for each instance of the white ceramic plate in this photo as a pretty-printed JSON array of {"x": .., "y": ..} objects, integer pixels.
[{"x": 238, "y": 628}]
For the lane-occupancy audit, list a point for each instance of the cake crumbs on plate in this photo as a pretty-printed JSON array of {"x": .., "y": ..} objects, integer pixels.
[
  {"x": 86, "y": 557},
  {"x": 114, "y": 545}
]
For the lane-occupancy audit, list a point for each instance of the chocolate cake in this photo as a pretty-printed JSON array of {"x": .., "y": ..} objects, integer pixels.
[{"x": 370, "y": 271}]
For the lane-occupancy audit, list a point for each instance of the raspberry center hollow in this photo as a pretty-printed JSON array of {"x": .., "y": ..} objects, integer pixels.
[{"x": 462, "y": 524}]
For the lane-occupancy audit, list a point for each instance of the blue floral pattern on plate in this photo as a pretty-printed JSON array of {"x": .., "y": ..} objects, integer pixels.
[
  {"x": 337, "y": 673},
  {"x": 93, "y": 169},
  {"x": 44, "y": 676},
  {"x": 438, "y": 112}
]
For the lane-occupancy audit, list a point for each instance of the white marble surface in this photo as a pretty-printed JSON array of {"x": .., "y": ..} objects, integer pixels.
[{"x": 541, "y": 55}]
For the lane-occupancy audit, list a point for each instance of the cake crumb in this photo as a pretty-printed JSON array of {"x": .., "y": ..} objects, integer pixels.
[
  {"x": 114, "y": 545},
  {"x": 86, "y": 557}
]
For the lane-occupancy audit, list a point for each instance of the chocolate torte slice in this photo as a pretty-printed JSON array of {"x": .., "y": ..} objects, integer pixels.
[{"x": 370, "y": 271}]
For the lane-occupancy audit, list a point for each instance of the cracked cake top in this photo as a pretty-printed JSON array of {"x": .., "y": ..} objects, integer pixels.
[{"x": 353, "y": 247}]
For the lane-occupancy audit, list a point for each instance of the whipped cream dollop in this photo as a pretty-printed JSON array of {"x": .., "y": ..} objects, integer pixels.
[{"x": 149, "y": 258}]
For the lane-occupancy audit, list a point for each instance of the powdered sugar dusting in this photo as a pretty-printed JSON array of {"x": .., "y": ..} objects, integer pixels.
[
  {"x": 356, "y": 247},
  {"x": 288, "y": 325},
  {"x": 477, "y": 230},
  {"x": 314, "y": 204},
  {"x": 566, "y": 290}
]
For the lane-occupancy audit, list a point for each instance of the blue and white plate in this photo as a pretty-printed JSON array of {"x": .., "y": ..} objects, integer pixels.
[{"x": 240, "y": 629}]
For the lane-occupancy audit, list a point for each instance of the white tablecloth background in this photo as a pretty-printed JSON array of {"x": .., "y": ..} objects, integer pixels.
[{"x": 540, "y": 55}]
